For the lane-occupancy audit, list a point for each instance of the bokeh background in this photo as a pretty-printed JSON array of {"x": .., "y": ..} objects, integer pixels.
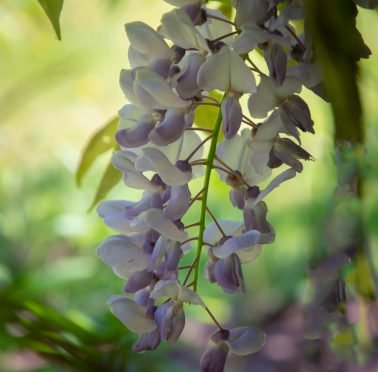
[{"x": 53, "y": 289}]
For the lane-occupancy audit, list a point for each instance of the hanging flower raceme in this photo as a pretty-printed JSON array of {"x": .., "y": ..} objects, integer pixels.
[{"x": 173, "y": 71}]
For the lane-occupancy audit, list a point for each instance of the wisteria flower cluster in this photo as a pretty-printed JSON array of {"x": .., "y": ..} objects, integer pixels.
[{"x": 195, "y": 51}]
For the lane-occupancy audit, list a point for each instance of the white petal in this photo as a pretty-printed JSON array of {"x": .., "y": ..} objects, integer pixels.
[
  {"x": 308, "y": 73},
  {"x": 249, "y": 38},
  {"x": 260, "y": 156},
  {"x": 123, "y": 160},
  {"x": 245, "y": 241},
  {"x": 129, "y": 115},
  {"x": 131, "y": 314},
  {"x": 248, "y": 255},
  {"x": 174, "y": 289},
  {"x": 123, "y": 255},
  {"x": 242, "y": 79},
  {"x": 154, "y": 160},
  {"x": 260, "y": 103},
  {"x": 290, "y": 86},
  {"x": 226, "y": 71},
  {"x": 126, "y": 81},
  {"x": 158, "y": 88},
  {"x": 137, "y": 58},
  {"x": 155, "y": 219},
  {"x": 212, "y": 234},
  {"x": 165, "y": 288},
  {"x": 146, "y": 40},
  {"x": 269, "y": 129},
  {"x": 253, "y": 11},
  {"x": 282, "y": 177},
  {"x": 178, "y": 27},
  {"x": 214, "y": 73},
  {"x": 245, "y": 340}
]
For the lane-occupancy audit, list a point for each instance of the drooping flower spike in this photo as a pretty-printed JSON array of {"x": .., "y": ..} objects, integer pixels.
[{"x": 173, "y": 70}]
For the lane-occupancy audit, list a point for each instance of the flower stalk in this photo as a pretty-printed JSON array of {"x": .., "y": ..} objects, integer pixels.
[{"x": 206, "y": 185}]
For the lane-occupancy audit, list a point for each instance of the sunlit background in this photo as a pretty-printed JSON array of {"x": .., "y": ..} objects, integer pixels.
[{"x": 53, "y": 96}]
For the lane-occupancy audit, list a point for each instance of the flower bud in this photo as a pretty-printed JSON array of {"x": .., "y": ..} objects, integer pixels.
[
  {"x": 147, "y": 341},
  {"x": 276, "y": 60},
  {"x": 231, "y": 116},
  {"x": 296, "y": 112},
  {"x": 214, "y": 358}
]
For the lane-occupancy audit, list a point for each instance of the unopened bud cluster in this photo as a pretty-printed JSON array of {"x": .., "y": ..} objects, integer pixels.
[{"x": 195, "y": 51}]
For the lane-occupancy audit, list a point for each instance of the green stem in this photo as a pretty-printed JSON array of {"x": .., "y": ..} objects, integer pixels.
[{"x": 206, "y": 184}]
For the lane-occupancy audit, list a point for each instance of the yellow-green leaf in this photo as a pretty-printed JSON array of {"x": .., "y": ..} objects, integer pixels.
[
  {"x": 103, "y": 140},
  {"x": 53, "y": 9},
  {"x": 109, "y": 179}
]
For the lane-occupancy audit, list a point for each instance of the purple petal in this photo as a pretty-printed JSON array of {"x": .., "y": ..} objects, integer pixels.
[
  {"x": 170, "y": 129},
  {"x": 136, "y": 136},
  {"x": 228, "y": 274},
  {"x": 255, "y": 219},
  {"x": 297, "y": 113},
  {"x": 237, "y": 198},
  {"x": 186, "y": 80},
  {"x": 148, "y": 201},
  {"x": 147, "y": 341},
  {"x": 276, "y": 60},
  {"x": 231, "y": 116},
  {"x": 178, "y": 203},
  {"x": 137, "y": 281},
  {"x": 174, "y": 255},
  {"x": 170, "y": 318}
]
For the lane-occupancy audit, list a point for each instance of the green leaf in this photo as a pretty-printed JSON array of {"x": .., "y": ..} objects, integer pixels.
[
  {"x": 102, "y": 141},
  {"x": 109, "y": 179},
  {"x": 205, "y": 116},
  {"x": 53, "y": 9},
  {"x": 339, "y": 46}
]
